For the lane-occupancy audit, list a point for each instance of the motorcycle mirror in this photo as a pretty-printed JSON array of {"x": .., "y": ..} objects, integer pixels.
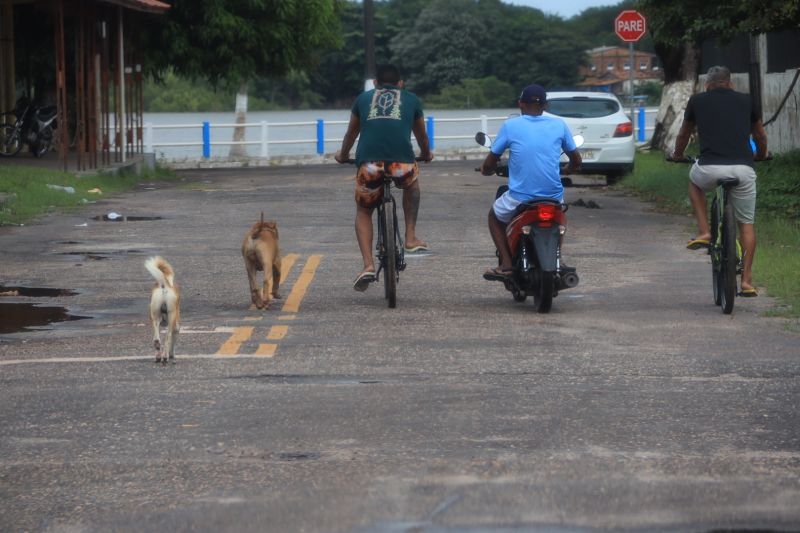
[
  {"x": 579, "y": 140},
  {"x": 483, "y": 139}
]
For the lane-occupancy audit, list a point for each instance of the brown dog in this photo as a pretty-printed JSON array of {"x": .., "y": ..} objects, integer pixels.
[
  {"x": 261, "y": 253},
  {"x": 165, "y": 299}
]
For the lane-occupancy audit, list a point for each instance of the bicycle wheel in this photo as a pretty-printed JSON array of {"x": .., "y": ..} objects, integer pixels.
[
  {"x": 715, "y": 251},
  {"x": 10, "y": 142},
  {"x": 390, "y": 254},
  {"x": 729, "y": 259}
]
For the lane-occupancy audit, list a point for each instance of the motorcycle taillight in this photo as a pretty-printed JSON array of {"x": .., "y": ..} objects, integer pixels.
[{"x": 546, "y": 212}]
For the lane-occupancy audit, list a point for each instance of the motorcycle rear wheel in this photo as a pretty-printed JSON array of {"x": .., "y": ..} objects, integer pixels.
[
  {"x": 10, "y": 141},
  {"x": 543, "y": 298}
]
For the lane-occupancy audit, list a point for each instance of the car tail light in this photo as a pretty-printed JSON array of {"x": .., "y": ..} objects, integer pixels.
[{"x": 623, "y": 130}]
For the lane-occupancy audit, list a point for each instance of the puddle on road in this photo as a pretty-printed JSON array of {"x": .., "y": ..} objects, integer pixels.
[
  {"x": 18, "y": 317},
  {"x": 123, "y": 218},
  {"x": 100, "y": 255},
  {"x": 35, "y": 292}
]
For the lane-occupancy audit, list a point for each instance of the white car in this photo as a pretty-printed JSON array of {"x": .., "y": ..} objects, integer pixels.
[{"x": 609, "y": 147}]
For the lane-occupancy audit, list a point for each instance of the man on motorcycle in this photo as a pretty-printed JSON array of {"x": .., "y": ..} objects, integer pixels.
[
  {"x": 535, "y": 142},
  {"x": 385, "y": 117}
]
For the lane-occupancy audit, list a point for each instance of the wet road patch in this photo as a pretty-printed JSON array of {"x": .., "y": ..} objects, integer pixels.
[{"x": 19, "y": 317}]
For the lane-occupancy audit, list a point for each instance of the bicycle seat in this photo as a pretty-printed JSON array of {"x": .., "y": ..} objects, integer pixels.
[
  {"x": 728, "y": 182},
  {"x": 47, "y": 112}
]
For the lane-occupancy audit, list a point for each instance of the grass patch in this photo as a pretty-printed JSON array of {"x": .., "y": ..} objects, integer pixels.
[
  {"x": 35, "y": 191},
  {"x": 777, "y": 258}
]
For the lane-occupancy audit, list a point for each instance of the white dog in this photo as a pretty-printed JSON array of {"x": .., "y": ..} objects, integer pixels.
[{"x": 164, "y": 307}]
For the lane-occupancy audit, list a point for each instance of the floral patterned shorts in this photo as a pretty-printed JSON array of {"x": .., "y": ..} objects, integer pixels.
[{"x": 370, "y": 178}]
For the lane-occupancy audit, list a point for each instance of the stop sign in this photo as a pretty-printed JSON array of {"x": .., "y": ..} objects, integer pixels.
[{"x": 630, "y": 25}]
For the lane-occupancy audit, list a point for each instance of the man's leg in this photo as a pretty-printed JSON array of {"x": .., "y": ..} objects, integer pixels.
[
  {"x": 698, "y": 199},
  {"x": 411, "y": 197},
  {"x": 497, "y": 230},
  {"x": 364, "y": 236},
  {"x": 747, "y": 236}
]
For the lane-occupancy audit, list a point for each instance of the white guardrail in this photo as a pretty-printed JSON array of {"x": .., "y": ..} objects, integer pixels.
[{"x": 642, "y": 132}]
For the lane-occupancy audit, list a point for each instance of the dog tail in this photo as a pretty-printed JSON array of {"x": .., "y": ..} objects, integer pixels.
[{"x": 161, "y": 271}]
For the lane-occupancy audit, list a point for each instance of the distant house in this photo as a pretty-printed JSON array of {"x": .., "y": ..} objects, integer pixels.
[{"x": 609, "y": 69}]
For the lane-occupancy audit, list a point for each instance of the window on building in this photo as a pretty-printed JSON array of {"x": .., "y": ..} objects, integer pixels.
[
  {"x": 643, "y": 65},
  {"x": 610, "y": 66},
  {"x": 593, "y": 67},
  {"x": 626, "y": 66}
]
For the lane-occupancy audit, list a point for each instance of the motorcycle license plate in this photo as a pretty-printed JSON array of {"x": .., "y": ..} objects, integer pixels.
[{"x": 587, "y": 154}]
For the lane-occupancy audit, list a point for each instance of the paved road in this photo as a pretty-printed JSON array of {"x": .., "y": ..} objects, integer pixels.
[{"x": 635, "y": 404}]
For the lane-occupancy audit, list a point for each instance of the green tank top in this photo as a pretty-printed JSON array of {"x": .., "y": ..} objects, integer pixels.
[{"x": 386, "y": 116}]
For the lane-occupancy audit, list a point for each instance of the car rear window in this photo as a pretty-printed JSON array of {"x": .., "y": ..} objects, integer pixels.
[{"x": 582, "y": 107}]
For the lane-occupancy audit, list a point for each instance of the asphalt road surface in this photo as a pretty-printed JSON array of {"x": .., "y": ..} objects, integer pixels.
[{"x": 635, "y": 404}]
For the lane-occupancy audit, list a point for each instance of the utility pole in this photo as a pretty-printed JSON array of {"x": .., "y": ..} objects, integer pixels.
[{"x": 369, "y": 44}]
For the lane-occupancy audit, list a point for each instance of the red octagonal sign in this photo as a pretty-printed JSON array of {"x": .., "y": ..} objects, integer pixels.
[{"x": 630, "y": 25}]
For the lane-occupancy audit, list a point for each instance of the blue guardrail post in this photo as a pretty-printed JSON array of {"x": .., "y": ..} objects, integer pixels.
[
  {"x": 320, "y": 136},
  {"x": 640, "y": 127},
  {"x": 206, "y": 140},
  {"x": 430, "y": 131}
]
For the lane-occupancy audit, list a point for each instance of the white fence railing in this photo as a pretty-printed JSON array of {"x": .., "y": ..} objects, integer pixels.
[{"x": 266, "y": 137}]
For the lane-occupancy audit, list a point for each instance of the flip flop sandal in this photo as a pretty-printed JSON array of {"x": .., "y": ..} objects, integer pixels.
[
  {"x": 696, "y": 244},
  {"x": 496, "y": 274},
  {"x": 363, "y": 281},
  {"x": 416, "y": 249},
  {"x": 748, "y": 293}
]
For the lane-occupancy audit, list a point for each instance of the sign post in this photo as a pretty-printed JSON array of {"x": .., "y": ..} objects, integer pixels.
[{"x": 630, "y": 26}]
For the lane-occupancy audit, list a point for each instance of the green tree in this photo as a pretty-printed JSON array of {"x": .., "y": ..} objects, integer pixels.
[{"x": 231, "y": 42}]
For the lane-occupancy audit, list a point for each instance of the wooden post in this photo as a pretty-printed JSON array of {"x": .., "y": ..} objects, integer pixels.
[{"x": 8, "y": 96}]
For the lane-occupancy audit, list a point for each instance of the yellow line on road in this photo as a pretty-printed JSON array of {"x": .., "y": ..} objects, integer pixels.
[
  {"x": 266, "y": 350},
  {"x": 286, "y": 265},
  {"x": 292, "y": 304},
  {"x": 276, "y": 333},
  {"x": 232, "y": 345}
]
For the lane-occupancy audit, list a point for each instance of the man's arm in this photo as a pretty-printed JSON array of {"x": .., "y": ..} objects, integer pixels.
[
  {"x": 682, "y": 140},
  {"x": 575, "y": 161},
  {"x": 760, "y": 138},
  {"x": 421, "y": 135},
  {"x": 489, "y": 164},
  {"x": 353, "y": 128}
]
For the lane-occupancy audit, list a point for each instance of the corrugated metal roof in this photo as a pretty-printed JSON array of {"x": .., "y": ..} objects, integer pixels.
[{"x": 152, "y": 6}]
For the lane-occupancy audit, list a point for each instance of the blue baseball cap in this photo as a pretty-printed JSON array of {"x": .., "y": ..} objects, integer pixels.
[{"x": 533, "y": 94}]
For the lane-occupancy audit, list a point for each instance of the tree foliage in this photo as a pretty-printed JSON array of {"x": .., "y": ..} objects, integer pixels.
[{"x": 231, "y": 41}]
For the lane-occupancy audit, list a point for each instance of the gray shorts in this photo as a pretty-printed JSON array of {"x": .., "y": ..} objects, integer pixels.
[{"x": 743, "y": 196}]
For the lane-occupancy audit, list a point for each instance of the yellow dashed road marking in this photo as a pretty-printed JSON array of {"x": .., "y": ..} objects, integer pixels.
[
  {"x": 286, "y": 265},
  {"x": 232, "y": 345},
  {"x": 287, "y": 317},
  {"x": 292, "y": 304},
  {"x": 276, "y": 333},
  {"x": 266, "y": 350}
]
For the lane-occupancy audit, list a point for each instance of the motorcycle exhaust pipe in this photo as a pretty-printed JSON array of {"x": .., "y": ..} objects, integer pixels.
[{"x": 569, "y": 280}]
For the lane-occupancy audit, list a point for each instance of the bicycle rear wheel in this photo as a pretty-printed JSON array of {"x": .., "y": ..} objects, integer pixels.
[
  {"x": 390, "y": 254},
  {"x": 729, "y": 259},
  {"x": 10, "y": 141},
  {"x": 715, "y": 252}
]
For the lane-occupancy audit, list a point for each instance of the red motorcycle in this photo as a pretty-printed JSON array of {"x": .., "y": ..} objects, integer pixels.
[{"x": 534, "y": 236}]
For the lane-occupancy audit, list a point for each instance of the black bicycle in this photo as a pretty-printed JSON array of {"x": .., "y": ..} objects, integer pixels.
[
  {"x": 389, "y": 247},
  {"x": 724, "y": 248}
]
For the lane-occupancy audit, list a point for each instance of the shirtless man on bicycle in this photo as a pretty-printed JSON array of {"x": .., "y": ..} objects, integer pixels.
[
  {"x": 385, "y": 117},
  {"x": 725, "y": 119}
]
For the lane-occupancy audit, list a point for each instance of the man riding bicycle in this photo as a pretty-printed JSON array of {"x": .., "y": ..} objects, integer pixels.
[
  {"x": 385, "y": 117},
  {"x": 535, "y": 142},
  {"x": 725, "y": 119}
]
